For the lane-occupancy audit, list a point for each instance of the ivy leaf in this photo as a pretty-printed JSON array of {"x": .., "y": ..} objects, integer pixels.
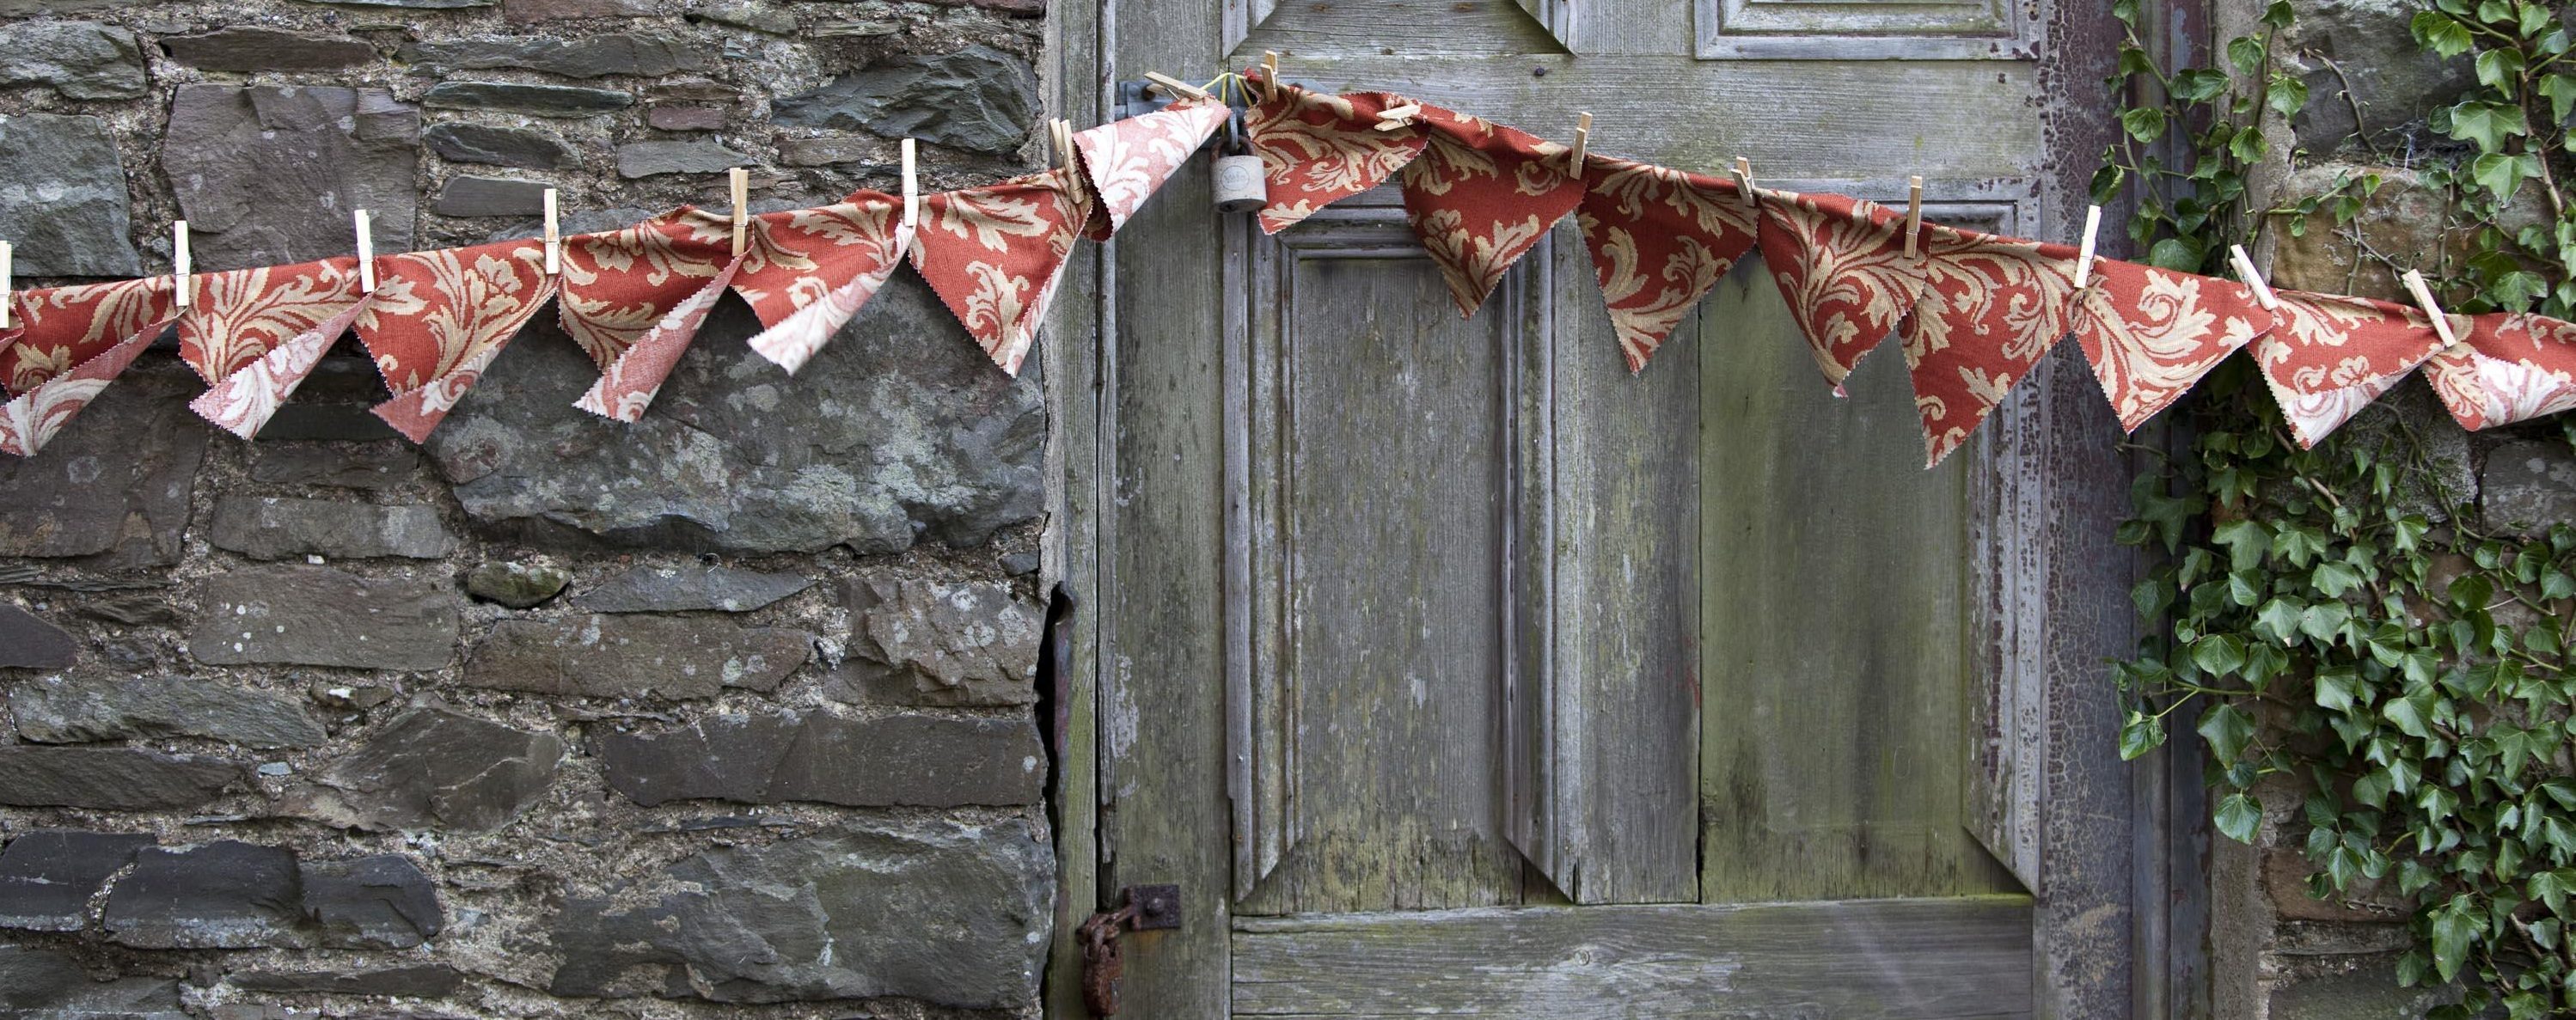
[
  {"x": 2324, "y": 621},
  {"x": 2411, "y": 968},
  {"x": 2199, "y": 84},
  {"x": 2244, "y": 587},
  {"x": 2455, "y": 926},
  {"x": 2487, "y": 124},
  {"x": 2441, "y": 33},
  {"x": 2173, "y": 253},
  {"x": 2336, "y": 690},
  {"x": 2335, "y": 578},
  {"x": 2228, "y": 730},
  {"x": 2286, "y": 95},
  {"x": 2144, "y": 124},
  {"x": 2534, "y": 17},
  {"x": 2246, "y": 53},
  {"x": 2141, "y": 734},
  {"x": 2248, "y": 146},
  {"x": 2500, "y": 69},
  {"x": 2503, "y": 174},
  {"x": 2278, "y": 14},
  {"x": 2561, "y": 92},
  {"x": 2412, "y": 714},
  {"x": 2247, "y": 543},
  {"x": 2236, "y": 816},
  {"x": 2219, "y": 654}
]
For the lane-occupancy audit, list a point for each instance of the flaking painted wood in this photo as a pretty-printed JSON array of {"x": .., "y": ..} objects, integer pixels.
[
  {"x": 1914, "y": 959},
  {"x": 1452, "y": 27},
  {"x": 1839, "y": 670}
]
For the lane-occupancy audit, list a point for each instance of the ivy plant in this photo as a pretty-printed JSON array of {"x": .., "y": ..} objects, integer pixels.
[{"x": 2345, "y": 636}]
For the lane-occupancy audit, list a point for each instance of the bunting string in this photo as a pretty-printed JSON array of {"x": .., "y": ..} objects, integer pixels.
[{"x": 1972, "y": 313}]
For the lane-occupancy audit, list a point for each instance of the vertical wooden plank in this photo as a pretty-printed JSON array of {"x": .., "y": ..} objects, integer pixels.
[
  {"x": 1164, "y": 814},
  {"x": 1838, "y": 667},
  {"x": 1626, "y": 602}
]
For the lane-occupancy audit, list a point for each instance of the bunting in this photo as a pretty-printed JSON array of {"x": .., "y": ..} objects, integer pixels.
[{"x": 1973, "y": 313}]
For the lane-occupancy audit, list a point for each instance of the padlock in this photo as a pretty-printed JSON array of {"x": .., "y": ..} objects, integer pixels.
[{"x": 1240, "y": 185}]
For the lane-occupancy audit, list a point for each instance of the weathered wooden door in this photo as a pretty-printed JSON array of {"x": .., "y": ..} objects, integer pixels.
[{"x": 1450, "y": 669}]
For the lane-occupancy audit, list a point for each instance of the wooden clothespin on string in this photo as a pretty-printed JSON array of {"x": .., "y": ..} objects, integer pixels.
[
  {"x": 8, "y": 285},
  {"x": 366, "y": 251},
  {"x": 740, "y": 181},
  {"x": 1176, "y": 86},
  {"x": 2084, "y": 251},
  {"x": 1914, "y": 217},
  {"x": 554, "y": 237},
  {"x": 1062, "y": 132},
  {"x": 2433, "y": 310},
  {"x": 1394, "y": 117},
  {"x": 1269, "y": 75},
  {"x": 183, "y": 279},
  {"x": 2253, "y": 280},
  {"x": 1744, "y": 182},
  {"x": 1582, "y": 142},
  {"x": 911, "y": 194}
]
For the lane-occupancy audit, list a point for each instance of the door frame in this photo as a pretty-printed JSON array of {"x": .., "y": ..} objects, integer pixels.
[{"x": 2119, "y": 922}]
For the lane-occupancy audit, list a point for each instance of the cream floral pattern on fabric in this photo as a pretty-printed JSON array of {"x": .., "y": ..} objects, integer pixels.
[
  {"x": 811, "y": 270},
  {"x": 1840, "y": 263},
  {"x": 1317, "y": 148},
  {"x": 1990, "y": 308},
  {"x": 67, "y": 326},
  {"x": 1130, "y": 159},
  {"x": 2151, "y": 333},
  {"x": 243, "y": 314},
  {"x": 2508, "y": 367},
  {"x": 1481, "y": 196},
  {"x": 1660, "y": 239},
  {"x": 438, "y": 318},
  {"x": 2323, "y": 343},
  {"x": 995, "y": 254},
  {"x": 33, "y": 418}
]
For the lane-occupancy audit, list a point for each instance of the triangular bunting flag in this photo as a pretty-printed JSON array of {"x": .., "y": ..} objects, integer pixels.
[
  {"x": 65, "y": 327},
  {"x": 2152, "y": 333},
  {"x": 995, "y": 254},
  {"x": 243, "y": 401},
  {"x": 2508, "y": 367},
  {"x": 438, "y": 318},
  {"x": 1841, "y": 266},
  {"x": 1990, "y": 308},
  {"x": 1317, "y": 148},
  {"x": 2327, "y": 356},
  {"x": 810, "y": 270},
  {"x": 1660, "y": 239},
  {"x": 1481, "y": 196},
  {"x": 1129, "y": 159},
  {"x": 255, "y": 334},
  {"x": 33, "y": 418},
  {"x": 634, "y": 298}
]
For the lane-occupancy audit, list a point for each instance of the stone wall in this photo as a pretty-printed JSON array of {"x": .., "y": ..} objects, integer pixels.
[
  {"x": 2277, "y": 953},
  {"x": 728, "y": 713}
]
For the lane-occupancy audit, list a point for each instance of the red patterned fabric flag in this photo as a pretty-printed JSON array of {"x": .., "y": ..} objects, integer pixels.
[
  {"x": 1481, "y": 196},
  {"x": 1840, "y": 264},
  {"x": 2507, "y": 367},
  {"x": 438, "y": 318},
  {"x": 1129, "y": 159},
  {"x": 32, "y": 419},
  {"x": 634, "y": 299},
  {"x": 1991, "y": 307},
  {"x": 1317, "y": 148},
  {"x": 66, "y": 326},
  {"x": 995, "y": 254},
  {"x": 810, "y": 270},
  {"x": 2328, "y": 356},
  {"x": 1660, "y": 239},
  {"x": 2152, "y": 333},
  {"x": 255, "y": 335}
]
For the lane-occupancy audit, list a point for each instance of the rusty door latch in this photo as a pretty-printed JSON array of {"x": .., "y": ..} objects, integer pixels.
[{"x": 1145, "y": 908}]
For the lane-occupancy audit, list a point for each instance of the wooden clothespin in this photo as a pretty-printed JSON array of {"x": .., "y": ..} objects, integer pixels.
[
  {"x": 911, "y": 193},
  {"x": 2433, "y": 310},
  {"x": 182, "y": 278},
  {"x": 741, "y": 181},
  {"x": 1914, "y": 216},
  {"x": 554, "y": 237},
  {"x": 1744, "y": 182},
  {"x": 1066, "y": 157},
  {"x": 1176, "y": 86},
  {"x": 8, "y": 286},
  {"x": 2253, "y": 280},
  {"x": 1394, "y": 117},
  {"x": 366, "y": 251},
  {"x": 1582, "y": 142},
  {"x": 2084, "y": 251},
  {"x": 1269, "y": 75}
]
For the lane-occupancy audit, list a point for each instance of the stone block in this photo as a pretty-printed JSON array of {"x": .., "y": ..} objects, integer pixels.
[
  {"x": 46, "y": 984},
  {"x": 2395, "y": 83},
  {"x": 48, "y": 876},
  {"x": 111, "y": 490},
  {"x": 268, "y": 174},
  {"x": 541, "y": 100},
  {"x": 653, "y": 159},
  {"x": 525, "y": 148},
  {"x": 630, "y": 657},
  {"x": 374, "y": 466},
  {"x": 2527, "y": 486},
  {"x": 73, "y": 709},
  {"x": 77, "y": 59},
  {"x": 27, "y": 641},
  {"x": 530, "y": 12},
  {"x": 246, "y": 48},
  {"x": 63, "y": 201},
  {"x": 277, "y": 527},
  {"x": 931, "y": 643},
  {"x": 830, "y": 150},
  {"x": 434, "y": 768},
  {"x": 947, "y": 913},
  {"x": 2367, "y": 991},
  {"x": 578, "y": 56},
  {"x": 376, "y": 902},
  {"x": 427, "y": 981},
  {"x": 746, "y": 14},
  {"x": 516, "y": 585},
  {"x": 907, "y": 760},
  {"x": 689, "y": 589},
  {"x": 490, "y": 196},
  {"x": 687, "y": 118},
  {"x": 133, "y": 609},
  {"x": 111, "y": 778},
  {"x": 316, "y": 616},
  {"x": 977, "y": 99},
  {"x": 900, "y": 430},
  {"x": 221, "y": 895},
  {"x": 1014, "y": 8}
]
